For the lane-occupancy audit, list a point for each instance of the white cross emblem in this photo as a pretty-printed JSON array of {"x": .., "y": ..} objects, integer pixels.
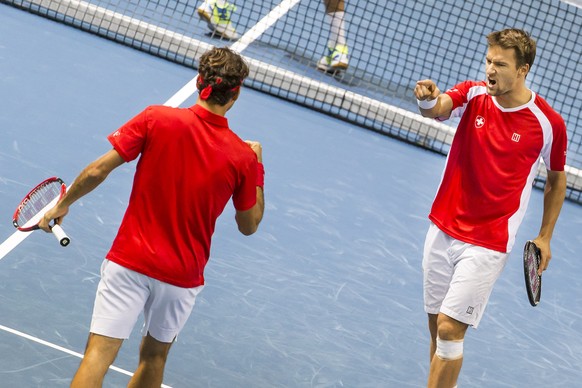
[{"x": 479, "y": 121}]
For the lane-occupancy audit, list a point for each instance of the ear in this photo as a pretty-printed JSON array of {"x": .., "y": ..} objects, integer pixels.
[
  {"x": 523, "y": 70},
  {"x": 231, "y": 102},
  {"x": 235, "y": 97}
]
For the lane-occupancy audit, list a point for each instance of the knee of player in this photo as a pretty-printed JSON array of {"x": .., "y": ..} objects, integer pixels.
[
  {"x": 450, "y": 329},
  {"x": 449, "y": 350},
  {"x": 153, "y": 360}
]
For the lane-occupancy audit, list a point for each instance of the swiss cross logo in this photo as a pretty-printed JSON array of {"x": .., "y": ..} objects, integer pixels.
[
  {"x": 515, "y": 137},
  {"x": 479, "y": 121}
]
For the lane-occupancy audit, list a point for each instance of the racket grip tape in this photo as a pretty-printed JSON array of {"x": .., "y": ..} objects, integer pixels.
[{"x": 60, "y": 235}]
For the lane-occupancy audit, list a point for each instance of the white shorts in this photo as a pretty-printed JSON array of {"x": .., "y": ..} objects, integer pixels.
[
  {"x": 123, "y": 294},
  {"x": 458, "y": 277}
]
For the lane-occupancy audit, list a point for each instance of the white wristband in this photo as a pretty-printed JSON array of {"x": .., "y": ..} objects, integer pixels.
[{"x": 427, "y": 104}]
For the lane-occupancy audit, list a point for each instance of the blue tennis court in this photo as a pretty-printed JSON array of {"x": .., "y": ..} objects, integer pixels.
[{"x": 327, "y": 294}]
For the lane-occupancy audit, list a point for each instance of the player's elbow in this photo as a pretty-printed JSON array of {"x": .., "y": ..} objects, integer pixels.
[
  {"x": 99, "y": 169},
  {"x": 248, "y": 221},
  {"x": 97, "y": 174},
  {"x": 248, "y": 230},
  {"x": 247, "y": 226}
]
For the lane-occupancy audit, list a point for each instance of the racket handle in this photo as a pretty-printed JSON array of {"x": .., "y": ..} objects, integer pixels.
[{"x": 60, "y": 234}]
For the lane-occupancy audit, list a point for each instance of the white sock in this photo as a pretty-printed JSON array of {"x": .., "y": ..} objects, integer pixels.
[{"x": 337, "y": 31}]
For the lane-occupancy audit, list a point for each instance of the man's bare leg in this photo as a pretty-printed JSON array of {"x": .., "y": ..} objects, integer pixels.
[
  {"x": 99, "y": 355},
  {"x": 444, "y": 372},
  {"x": 152, "y": 361},
  {"x": 334, "y": 6}
]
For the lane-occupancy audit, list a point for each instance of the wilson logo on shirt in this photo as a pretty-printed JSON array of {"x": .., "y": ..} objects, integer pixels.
[
  {"x": 515, "y": 137},
  {"x": 479, "y": 121}
]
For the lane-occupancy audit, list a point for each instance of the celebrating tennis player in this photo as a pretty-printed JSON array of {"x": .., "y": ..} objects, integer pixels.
[
  {"x": 503, "y": 131},
  {"x": 190, "y": 165}
]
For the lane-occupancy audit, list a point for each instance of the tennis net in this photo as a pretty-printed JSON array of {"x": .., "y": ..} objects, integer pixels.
[{"x": 391, "y": 45}]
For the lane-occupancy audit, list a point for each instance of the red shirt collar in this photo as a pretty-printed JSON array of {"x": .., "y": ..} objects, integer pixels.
[{"x": 206, "y": 115}]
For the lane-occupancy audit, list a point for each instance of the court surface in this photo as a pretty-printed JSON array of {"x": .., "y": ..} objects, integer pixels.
[{"x": 327, "y": 293}]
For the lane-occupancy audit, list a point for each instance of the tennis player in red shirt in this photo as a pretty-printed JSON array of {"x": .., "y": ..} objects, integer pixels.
[
  {"x": 190, "y": 165},
  {"x": 504, "y": 131}
]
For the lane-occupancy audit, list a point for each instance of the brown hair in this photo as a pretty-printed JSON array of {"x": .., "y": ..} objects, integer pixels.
[
  {"x": 221, "y": 72},
  {"x": 520, "y": 41}
]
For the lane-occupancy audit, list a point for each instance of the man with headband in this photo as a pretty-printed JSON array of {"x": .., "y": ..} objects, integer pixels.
[{"x": 190, "y": 165}]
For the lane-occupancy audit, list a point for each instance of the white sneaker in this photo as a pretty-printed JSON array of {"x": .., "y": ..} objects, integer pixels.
[
  {"x": 216, "y": 14},
  {"x": 335, "y": 60}
]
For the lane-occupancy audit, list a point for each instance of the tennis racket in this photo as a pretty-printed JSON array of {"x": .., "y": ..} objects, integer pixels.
[
  {"x": 531, "y": 263},
  {"x": 36, "y": 203}
]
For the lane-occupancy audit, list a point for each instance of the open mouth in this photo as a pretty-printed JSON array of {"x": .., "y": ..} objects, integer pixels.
[{"x": 491, "y": 82}]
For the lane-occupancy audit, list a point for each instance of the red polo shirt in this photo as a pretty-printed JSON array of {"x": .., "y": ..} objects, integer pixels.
[
  {"x": 190, "y": 165},
  {"x": 494, "y": 157}
]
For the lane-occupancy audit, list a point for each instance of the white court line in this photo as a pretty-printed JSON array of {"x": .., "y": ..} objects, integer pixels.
[
  {"x": 12, "y": 242},
  {"x": 64, "y": 350},
  {"x": 249, "y": 37},
  {"x": 17, "y": 237},
  {"x": 576, "y": 3},
  {"x": 178, "y": 98}
]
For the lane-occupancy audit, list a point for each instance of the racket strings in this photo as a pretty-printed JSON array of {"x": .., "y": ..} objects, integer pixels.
[
  {"x": 533, "y": 265},
  {"x": 37, "y": 200}
]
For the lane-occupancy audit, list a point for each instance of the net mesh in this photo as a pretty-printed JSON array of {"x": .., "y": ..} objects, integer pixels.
[{"x": 392, "y": 44}]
